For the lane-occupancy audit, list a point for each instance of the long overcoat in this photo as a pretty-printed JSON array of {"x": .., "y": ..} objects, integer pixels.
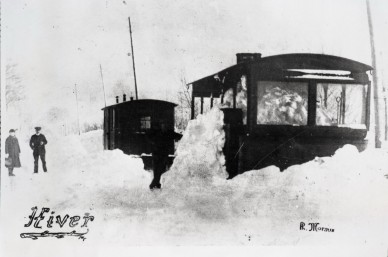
[{"x": 13, "y": 149}]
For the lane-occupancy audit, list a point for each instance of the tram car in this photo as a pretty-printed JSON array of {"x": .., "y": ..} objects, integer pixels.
[
  {"x": 127, "y": 124},
  {"x": 287, "y": 109}
]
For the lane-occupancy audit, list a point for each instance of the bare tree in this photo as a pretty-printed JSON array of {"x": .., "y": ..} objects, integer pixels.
[
  {"x": 182, "y": 115},
  {"x": 14, "y": 88},
  {"x": 185, "y": 94}
]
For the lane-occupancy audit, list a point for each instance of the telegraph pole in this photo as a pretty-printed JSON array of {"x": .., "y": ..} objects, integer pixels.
[
  {"x": 133, "y": 56},
  {"x": 103, "y": 86},
  {"x": 385, "y": 114},
  {"x": 375, "y": 80},
  {"x": 76, "y": 99}
]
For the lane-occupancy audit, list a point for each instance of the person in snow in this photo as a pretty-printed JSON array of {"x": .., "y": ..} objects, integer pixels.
[
  {"x": 160, "y": 137},
  {"x": 37, "y": 144},
  {"x": 12, "y": 151}
]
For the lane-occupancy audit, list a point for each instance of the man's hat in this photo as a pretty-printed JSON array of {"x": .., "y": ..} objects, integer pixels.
[
  {"x": 38, "y": 128},
  {"x": 11, "y": 130}
]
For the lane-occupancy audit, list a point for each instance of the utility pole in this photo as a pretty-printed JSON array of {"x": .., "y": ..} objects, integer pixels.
[
  {"x": 375, "y": 80},
  {"x": 385, "y": 94},
  {"x": 385, "y": 108},
  {"x": 133, "y": 57},
  {"x": 76, "y": 99},
  {"x": 385, "y": 114},
  {"x": 1, "y": 146},
  {"x": 103, "y": 86}
]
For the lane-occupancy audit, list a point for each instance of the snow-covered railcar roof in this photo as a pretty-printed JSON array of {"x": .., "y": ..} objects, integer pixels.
[
  {"x": 212, "y": 85},
  {"x": 141, "y": 102},
  {"x": 313, "y": 61}
]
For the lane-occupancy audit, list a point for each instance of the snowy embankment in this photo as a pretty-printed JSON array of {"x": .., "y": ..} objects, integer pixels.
[{"x": 197, "y": 205}]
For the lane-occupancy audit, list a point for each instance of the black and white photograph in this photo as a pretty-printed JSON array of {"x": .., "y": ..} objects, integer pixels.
[{"x": 194, "y": 128}]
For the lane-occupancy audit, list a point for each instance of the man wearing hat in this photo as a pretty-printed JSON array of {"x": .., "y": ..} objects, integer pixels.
[
  {"x": 37, "y": 143},
  {"x": 12, "y": 151}
]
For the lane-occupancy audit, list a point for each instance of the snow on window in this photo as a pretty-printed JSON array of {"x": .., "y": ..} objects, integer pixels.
[
  {"x": 228, "y": 98},
  {"x": 342, "y": 105},
  {"x": 282, "y": 103},
  {"x": 241, "y": 97}
]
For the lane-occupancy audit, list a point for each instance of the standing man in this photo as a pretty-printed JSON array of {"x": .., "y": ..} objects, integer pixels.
[
  {"x": 12, "y": 151},
  {"x": 37, "y": 143},
  {"x": 160, "y": 137}
]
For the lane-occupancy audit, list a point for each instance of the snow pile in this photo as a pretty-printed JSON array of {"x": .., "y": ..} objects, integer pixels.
[
  {"x": 197, "y": 205},
  {"x": 98, "y": 168},
  {"x": 79, "y": 167},
  {"x": 345, "y": 192},
  {"x": 191, "y": 186},
  {"x": 199, "y": 153}
]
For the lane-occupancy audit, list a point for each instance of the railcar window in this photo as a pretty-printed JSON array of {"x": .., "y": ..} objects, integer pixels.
[
  {"x": 282, "y": 103},
  {"x": 241, "y": 97},
  {"x": 342, "y": 105},
  {"x": 145, "y": 123}
]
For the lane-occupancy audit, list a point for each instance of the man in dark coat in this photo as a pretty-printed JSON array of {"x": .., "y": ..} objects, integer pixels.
[
  {"x": 12, "y": 151},
  {"x": 160, "y": 138},
  {"x": 37, "y": 144}
]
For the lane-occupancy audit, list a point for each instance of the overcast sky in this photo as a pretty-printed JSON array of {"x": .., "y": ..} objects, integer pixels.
[{"x": 59, "y": 43}]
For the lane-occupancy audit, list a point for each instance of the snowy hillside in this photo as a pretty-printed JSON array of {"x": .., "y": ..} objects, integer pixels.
[{"x": 197, "y": 205}]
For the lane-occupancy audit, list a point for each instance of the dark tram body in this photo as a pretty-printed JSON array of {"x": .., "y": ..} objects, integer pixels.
[
  {"x": 287, "y": 109},
  {"x": 126, "y": 126}
]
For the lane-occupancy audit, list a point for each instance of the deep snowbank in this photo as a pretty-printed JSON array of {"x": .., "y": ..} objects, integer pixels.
[
  {"x": 197, "y": 205},
  {"x": 199, "y": 156}
]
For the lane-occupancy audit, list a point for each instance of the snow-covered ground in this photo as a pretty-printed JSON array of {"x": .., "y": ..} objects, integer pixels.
[{"x": 347, "y": 192}]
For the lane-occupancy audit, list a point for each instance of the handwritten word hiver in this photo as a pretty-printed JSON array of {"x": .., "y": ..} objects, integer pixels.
[{"x": 51, "y": 221}]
